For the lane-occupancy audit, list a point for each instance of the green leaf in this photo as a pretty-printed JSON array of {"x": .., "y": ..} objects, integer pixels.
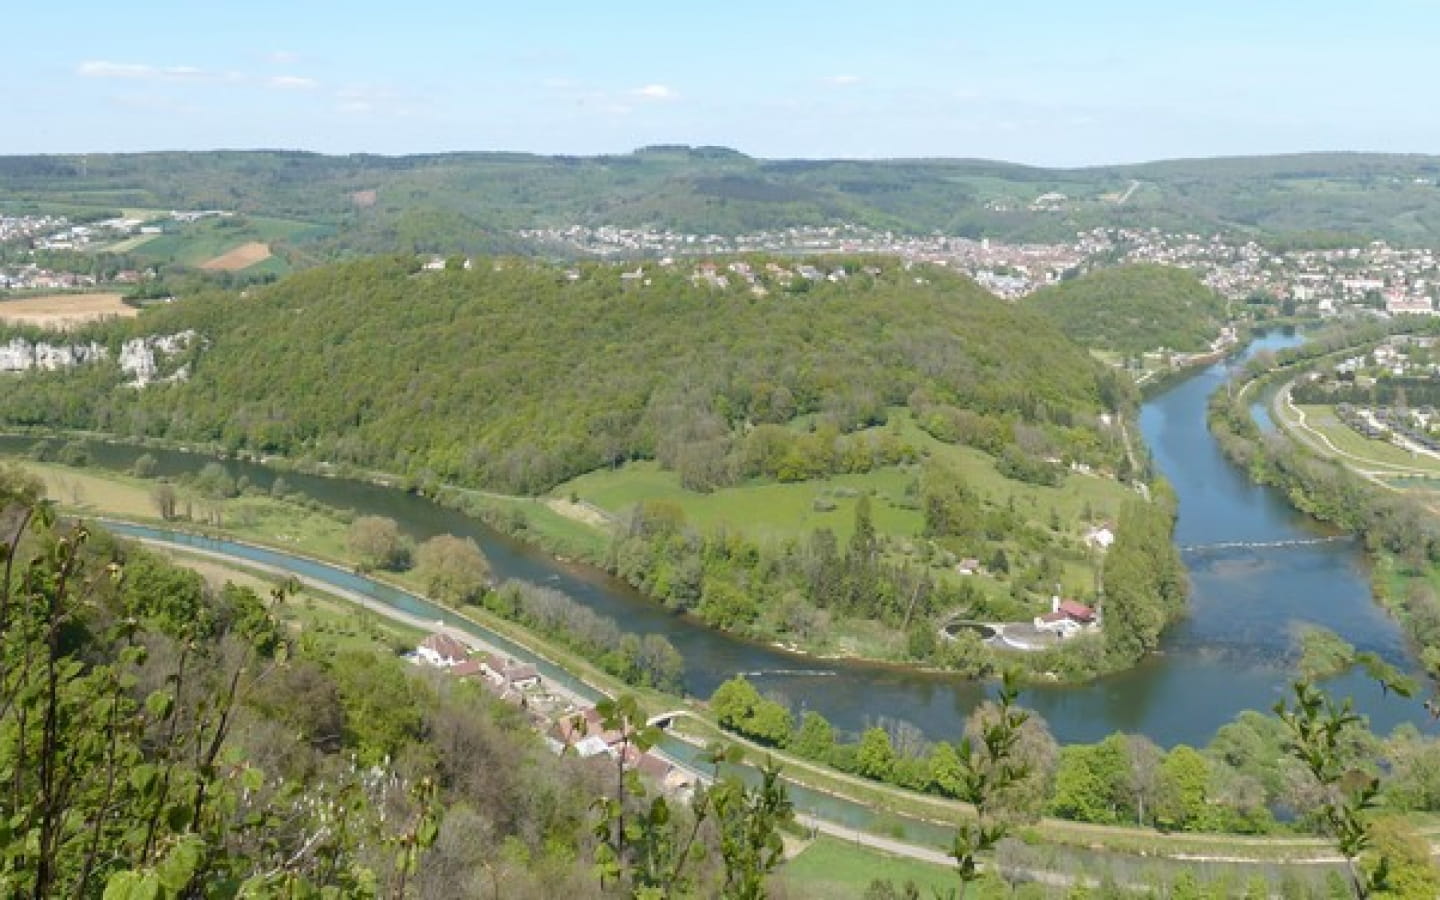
[
  {"x": 179, "y": 865},
  {"x": 132, "y": 886},
  {"x": 142, "y": 778},
  {"x": 252, "y": 779},
  {"x": 160, "y": 705}
]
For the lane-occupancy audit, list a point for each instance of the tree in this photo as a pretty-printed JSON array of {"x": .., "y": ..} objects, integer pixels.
[
  {"x": 378, "y": 543},
  {"x": 165, "y": 498},
  {"x": 1034, "y": 751},
  {"x": 815, "y": 738},
  {"x": 651, "y": 849},
  {"x": 988, "y": 769},
  {"x": 734, "y": 702},
  {"x": 1184, "y": 788},
  {"x": 145, "y": 466},
  {"x": 453, "y": 569},
  {"x": 875, "y": 758},
  {"x": 770, "y": 723},
  {"x": 1090, "y": 780},
  {"x": 1315, "y": 725},
  {"x": 1143, "y": 781}
]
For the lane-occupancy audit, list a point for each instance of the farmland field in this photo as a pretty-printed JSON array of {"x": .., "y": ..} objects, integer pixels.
[
  {"x": 63, "y": 310},
  {"x": 241, "y": 257}
]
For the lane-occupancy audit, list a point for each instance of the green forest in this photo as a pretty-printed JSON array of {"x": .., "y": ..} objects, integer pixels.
[
  {"x": 1134, "y": 309},
  {"x": 515, "y": 377}
]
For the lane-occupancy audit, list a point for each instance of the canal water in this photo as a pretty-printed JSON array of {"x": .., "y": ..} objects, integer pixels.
[{"x": 1257, "y": 569}]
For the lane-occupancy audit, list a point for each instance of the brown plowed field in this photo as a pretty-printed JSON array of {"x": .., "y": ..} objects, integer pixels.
[{"x": 241, "y": 257}]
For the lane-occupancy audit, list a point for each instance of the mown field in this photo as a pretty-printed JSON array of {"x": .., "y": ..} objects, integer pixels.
[
  {"x": 1360, "y": 451},
  {"x": 830, "y": 868}
]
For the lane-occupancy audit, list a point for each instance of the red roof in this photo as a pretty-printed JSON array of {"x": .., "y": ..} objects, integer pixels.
[
  {"x": 465, "y": 668},
  {"x": 1054, "y": 617},
  {"x": 1077, "y": 611},
  {"x": 445, "y": 646}
]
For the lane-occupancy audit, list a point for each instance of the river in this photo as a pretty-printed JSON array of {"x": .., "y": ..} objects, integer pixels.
[{"x": 1256, "y": 568}]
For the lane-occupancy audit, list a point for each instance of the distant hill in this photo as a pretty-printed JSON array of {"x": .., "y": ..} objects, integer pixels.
[
  {"x": 517, "y": 376},
  {"x": 1132, "y": 309},
  {"x": 474, "y": 202}
]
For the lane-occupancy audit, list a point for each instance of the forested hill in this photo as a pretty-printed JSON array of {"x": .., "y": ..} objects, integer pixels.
[
  {"x": 1133, "y": 309},
  {"x": 517, "y": 375},
  {"x": 475, "y": 202}
]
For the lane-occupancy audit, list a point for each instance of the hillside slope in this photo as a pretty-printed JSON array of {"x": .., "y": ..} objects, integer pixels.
[
  {"x": 515, "y": 377},
  {"x": 1133, "y": 309}
]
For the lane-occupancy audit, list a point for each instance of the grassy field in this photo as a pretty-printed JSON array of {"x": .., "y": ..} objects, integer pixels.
[
  {"x": 259, "y": 518},
  {"x": 1361, "y": 451},
  {"x": 776, "y": 511},
  {"x": 130, "y": 243},
  {"x": 832, "y": 868},
  {"x": 771, "y": 509}
]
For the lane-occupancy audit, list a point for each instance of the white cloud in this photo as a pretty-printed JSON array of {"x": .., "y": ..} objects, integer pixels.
[
  {"x": 842, "y": 80},
  {"x": 656, "y": 92},
  {"x": 291, "y": 83},
  {"x": 99, "y": 68},
  {"x": 282, "y": 57}
]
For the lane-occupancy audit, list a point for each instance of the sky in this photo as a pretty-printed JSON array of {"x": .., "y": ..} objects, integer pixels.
[{"x": 1045, "y": 83}]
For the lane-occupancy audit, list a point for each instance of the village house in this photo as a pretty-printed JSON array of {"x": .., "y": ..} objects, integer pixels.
[
  {"x": 510, "y": 673},
  {"x": 442, "y": 650},
  {"x": 1100, "y": 537},
  {"x": 1067, "y": 618}
]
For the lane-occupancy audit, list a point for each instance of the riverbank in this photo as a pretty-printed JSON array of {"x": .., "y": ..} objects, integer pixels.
[{"x": 1333, "y": 487}]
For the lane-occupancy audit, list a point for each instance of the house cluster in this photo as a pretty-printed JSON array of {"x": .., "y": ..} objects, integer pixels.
[
  {"x": 506, "y": 678},
  {"x": 585, "y": 735},
  {"x": 567, "y": 727},
  {"x": 1067, "y": 618},
  {"x": 1376, "y": 278}
]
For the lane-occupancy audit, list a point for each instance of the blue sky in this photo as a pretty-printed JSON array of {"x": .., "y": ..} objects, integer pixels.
[{"x": 1037, "y": 82}]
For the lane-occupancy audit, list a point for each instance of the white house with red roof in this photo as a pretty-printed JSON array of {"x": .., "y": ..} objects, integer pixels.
[
  {"x": 1067, "y": 618},
  {"x": 442, "y": 650}
]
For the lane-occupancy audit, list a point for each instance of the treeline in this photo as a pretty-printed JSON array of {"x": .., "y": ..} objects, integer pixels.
[
  {"x": 1134, "y": 309},
  {"x": 1145, "y": 585},
  {"x": 1244, "y": 781},
  {"x": 512, "y": 376},
  {"x": 1411, "y": 392},
  {"x": 649, "y": 661}
]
